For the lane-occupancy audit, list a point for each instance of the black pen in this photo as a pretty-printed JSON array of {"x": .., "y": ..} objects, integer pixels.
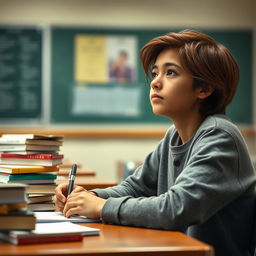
[{"x": 72, "y": 175}]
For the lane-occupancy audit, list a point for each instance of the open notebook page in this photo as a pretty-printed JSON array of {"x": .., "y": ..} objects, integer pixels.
[{"x": 44, "y": 217}]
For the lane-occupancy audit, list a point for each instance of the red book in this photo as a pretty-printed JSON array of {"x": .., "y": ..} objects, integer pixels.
[
  {"x": 31, "y": 159},
  {"x": 35, "y": 240},
  {"x": 32, "y": 156}
]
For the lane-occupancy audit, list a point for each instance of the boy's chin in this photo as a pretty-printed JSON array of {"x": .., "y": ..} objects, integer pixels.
[{"x": 159, "y": 113}]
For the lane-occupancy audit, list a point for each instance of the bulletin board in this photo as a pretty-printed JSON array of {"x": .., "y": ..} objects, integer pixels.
[{"x": 83, "y": 91}]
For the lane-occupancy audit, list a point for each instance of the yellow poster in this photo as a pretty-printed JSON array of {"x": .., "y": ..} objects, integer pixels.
[{"x": 91, "y": 59}]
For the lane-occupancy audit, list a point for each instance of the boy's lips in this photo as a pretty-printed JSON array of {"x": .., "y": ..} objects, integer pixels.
[{"x": 156, "y": 96}]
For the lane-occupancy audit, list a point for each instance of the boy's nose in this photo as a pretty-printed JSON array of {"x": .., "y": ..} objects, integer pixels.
[{"x": 156, "y": 84}]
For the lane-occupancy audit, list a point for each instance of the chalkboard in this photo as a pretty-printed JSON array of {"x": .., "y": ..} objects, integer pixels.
[
  {"x": 20, "y": 74},
  {"x": 68, "y": 87}
]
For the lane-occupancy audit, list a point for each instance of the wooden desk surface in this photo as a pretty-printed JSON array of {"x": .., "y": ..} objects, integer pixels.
[
  {"x": 89, "y": 182},
  {"x": 80, "y": 172},
  {"x": 118, "y": 240}
]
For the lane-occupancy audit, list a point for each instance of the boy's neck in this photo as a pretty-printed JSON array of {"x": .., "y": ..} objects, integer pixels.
[{"x": 187, "y": 126}]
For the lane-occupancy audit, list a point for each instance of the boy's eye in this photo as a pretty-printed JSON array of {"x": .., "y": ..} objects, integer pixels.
[
  {"x": 153, "y": 75},
  {"x": 171, "y": 72}
]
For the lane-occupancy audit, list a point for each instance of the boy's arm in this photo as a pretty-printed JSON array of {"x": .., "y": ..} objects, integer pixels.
[
  {"x": 209, "y": 182},
  {"x": 142, "y": 182}
]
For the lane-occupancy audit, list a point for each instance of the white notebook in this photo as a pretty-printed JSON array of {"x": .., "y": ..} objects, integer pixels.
[
  {"x": 47, "y": 217},
  {"x": 61, "y": 228}
]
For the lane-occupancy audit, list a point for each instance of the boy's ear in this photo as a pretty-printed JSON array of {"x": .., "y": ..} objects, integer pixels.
[{"x": 205, "y": 91}]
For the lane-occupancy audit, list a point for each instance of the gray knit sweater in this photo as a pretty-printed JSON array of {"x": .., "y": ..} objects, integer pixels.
[{"x": 204, "y": 188}]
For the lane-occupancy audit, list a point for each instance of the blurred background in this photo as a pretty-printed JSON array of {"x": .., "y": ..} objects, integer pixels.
[{"x": 100, "y": 152}]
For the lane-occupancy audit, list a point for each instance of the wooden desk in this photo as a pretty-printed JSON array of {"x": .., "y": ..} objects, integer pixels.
[
  {"x": 80, "y": 172},
  {"x": 118, "y": 240},
  {"x": 89, "y": 182}
]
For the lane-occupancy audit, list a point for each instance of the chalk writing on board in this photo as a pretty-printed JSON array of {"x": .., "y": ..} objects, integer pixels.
[{"x": 20, "y": 76}]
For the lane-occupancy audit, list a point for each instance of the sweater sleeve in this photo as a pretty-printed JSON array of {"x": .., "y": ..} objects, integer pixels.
[
  {"x": 139, "y": 184},
  {"x": 208, "y": 182}
]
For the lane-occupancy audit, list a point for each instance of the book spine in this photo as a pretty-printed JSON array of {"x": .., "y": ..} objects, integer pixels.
[
  {"x": 33, "y": 156},
  {"x": 37, "y": 176},
  {"x": 28, "y": 169},
  {"x": 6, "y": 208},
  {"x": 33, "y": 240}
]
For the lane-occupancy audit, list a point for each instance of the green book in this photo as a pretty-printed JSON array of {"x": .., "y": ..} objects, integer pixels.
[{"x": 37, "y": 177}]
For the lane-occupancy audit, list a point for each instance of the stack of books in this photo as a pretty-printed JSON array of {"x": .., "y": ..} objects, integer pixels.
[
  {"x": 14, "y": 214},
  {"x": 30, "y": 143},
  {"x": 20, "y": 226},
  {"x": 49, "y": 232},
  {"x": 33, "y": 160}
]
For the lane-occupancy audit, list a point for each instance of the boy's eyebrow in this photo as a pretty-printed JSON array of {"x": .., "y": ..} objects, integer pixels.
[{"x": 166, "y": 65}]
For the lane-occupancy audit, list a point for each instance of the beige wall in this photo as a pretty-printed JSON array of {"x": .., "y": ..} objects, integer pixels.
[
  {"x": 199, "y": 13},
  {"x": 102, "y": 154}
]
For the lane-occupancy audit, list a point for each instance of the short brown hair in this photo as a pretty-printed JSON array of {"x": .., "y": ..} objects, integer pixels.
[{"x": 209, "y": 62}]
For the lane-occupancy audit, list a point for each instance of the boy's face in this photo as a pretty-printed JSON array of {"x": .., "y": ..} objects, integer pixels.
[{"x": 171, "y": 91}]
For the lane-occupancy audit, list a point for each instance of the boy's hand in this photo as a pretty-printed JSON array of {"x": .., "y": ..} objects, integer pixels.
[
  {"x": 83, "y": 203},
  {"x": 60, "y": 195}
]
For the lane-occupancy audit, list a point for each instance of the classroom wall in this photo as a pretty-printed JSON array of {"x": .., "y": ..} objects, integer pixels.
[
  {"x": 199, "y": 13},
  {"x": 102, "y": 154}
]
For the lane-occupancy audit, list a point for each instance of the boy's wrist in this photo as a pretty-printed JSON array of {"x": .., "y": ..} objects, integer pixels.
[
  {"x": 93, "y": 193},
  {"x": 101, "y": 205}
]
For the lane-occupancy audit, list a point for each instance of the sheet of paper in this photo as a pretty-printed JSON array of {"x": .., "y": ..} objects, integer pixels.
[
  {"x": 58, "y": 228},
  {"x": 90, "y": 59},
  {"x": 106, "y": 102},
  {"x": 44, "y": 217},
  {"x": 61, "y": 227}
]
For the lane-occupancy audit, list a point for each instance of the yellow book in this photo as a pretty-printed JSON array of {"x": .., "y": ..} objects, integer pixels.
[
  {"x": 41, "y": 189},
  {"x": 6, "y": 208},
  {"x": 18, "y": 169}
]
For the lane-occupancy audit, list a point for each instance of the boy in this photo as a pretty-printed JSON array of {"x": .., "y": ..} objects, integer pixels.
[{"x": 199, "y": 180}]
